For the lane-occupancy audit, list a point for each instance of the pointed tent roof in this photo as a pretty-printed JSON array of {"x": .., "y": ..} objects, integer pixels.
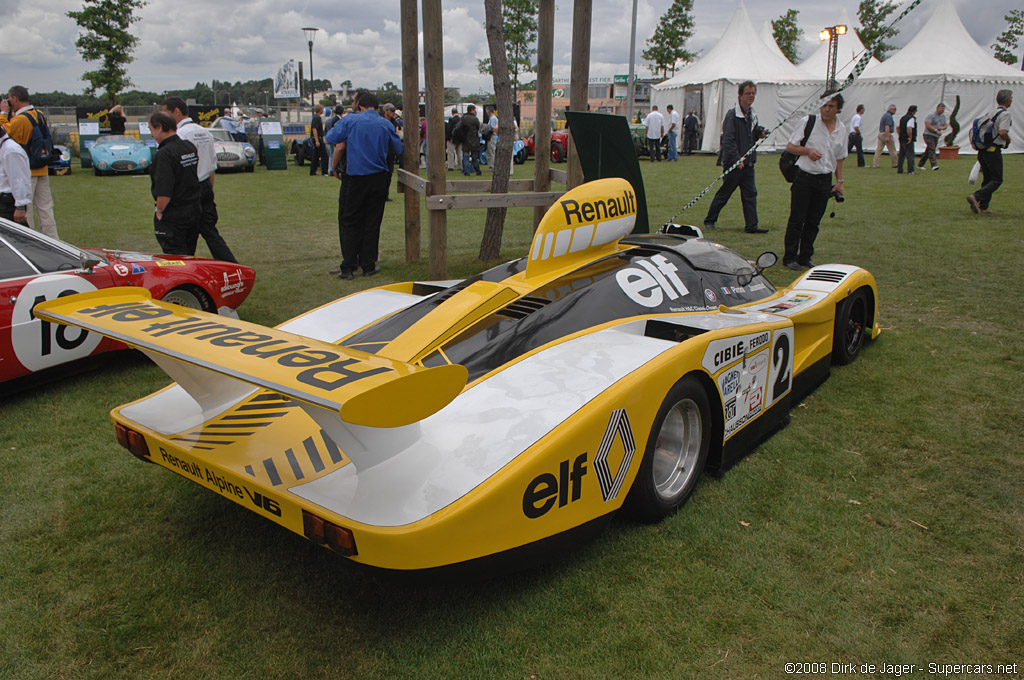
[
  {"x": 740, "y": 54},
  {"x": 768, "y": 36},
  {"x": 851, "y": 49},
  {"x": 943, "y": 46}
]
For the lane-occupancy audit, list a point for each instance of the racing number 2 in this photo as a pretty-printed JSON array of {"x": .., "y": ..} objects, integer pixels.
[
  {"x": 61, "y": 335},
  {"x": 781, "y": 366}
]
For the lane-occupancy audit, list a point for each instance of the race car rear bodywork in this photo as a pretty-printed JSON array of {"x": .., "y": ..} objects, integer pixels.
[{"x": 416, "y": 426}]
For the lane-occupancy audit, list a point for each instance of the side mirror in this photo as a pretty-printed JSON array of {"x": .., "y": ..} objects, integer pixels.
[
  {"x": 767, "y": 259},
  {"x": 88, "y": 261},
  {"x": 764, "y": 260}
]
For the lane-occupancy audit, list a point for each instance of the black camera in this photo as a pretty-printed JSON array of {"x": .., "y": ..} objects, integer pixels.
[{"x": 836, "y": 194}]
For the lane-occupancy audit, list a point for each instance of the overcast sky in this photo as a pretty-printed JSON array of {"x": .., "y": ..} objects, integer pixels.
[{"x": 187, "y": 41}]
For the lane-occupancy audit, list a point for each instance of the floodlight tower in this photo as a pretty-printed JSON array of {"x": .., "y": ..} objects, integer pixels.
[
  {"x": 310, "y": 34},
  {"x": 832, "y": 33}
]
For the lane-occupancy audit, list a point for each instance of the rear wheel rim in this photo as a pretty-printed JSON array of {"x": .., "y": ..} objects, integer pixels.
[
  {"x": 185, "y": 298},
  {"x": 677, "y": 449},
  {"x": 854, "y": 333}
]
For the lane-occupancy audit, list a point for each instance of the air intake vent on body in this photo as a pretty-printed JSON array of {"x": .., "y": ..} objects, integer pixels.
[
  {"x": 826, "y": 275},
  {"x": 523, "y": 307}
]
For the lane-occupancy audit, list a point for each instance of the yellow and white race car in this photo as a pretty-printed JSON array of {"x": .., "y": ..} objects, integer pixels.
[{"x": 417, "y": 426}]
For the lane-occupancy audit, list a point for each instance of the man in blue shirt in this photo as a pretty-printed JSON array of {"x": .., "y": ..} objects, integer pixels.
[
  {"x": 886, "y": 127},
  {"x": 365, "y": 139}
]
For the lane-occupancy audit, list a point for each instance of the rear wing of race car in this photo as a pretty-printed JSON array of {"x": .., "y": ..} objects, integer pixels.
[{"x": 345, "y": 390}]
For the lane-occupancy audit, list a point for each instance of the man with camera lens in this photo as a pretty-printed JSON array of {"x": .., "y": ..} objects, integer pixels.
[
  {"x": 19, "y": 117},
  {"x": 821, "y": 155}
]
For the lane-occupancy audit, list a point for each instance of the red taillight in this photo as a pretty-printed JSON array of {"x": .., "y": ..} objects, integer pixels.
[
  {"x": 322, "y": 532},
  {"x": 133, "y": 441}
]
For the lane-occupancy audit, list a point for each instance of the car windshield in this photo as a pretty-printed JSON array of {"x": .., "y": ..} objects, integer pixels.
[
  {"x": 114, "y": 139},
  {"x": 701, "y": 254},
  {"x": 47, "y": 255},
  {"x": 221, "y": 135}
]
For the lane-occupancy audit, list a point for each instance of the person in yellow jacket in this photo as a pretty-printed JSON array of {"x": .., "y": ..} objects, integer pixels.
[{"x": 19, "y": 128}]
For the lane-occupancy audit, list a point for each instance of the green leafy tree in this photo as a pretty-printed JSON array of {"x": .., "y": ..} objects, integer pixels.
[
  {"x": 519, "y": 24},
  {"x": 667, "y": 47},
  {"x": 389, "y": 93},
  {"x": 872, "y": 15},
  {"x": 787, "y": 34},
  {"x": 104, "y": 37},
  {"x": 1006, "y": 44}
]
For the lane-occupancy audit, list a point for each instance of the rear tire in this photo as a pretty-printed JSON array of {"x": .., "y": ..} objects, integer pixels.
[
  {"x": 676, "y": 452},
  {"x": 192, "y": 297},
  {"x": 557, "y": 152},
  {"x": 849, "y": 332}
]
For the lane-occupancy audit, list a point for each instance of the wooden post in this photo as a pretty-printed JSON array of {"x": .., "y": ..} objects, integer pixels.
[
  {"x": 433, "y": 76},
  {"x": 542, "y": 126},
  {"x": 579, "y": 88},
  {"x": 410, "y": 112}
]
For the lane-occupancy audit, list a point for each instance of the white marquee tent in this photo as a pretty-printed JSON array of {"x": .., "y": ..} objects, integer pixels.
[
  {"x": 741, "y": 54},
  {"x": 940, "y": 63}
]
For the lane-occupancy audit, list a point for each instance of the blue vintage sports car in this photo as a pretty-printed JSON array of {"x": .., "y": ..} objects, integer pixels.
[
  {"x": 61, "y": 164},
  {"x": 120, "y": 154}
]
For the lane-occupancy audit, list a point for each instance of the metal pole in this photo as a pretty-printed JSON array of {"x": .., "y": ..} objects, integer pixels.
[
  {"x": 312, "y": 85},
  {"x": 630, "y": 86}
]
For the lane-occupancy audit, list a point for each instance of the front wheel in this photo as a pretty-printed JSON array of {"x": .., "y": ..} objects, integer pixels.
[
  {"x": 676, "y": 452},
  {"x": 848, "y": 334},
  {"x": 520, "y": 157},
  {"x": 191, "y": 297}
]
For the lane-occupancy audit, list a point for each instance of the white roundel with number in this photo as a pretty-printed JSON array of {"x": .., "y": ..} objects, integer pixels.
[{"x": 39, "y": 344}]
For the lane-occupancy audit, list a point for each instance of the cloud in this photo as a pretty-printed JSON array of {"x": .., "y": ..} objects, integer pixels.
[{"x": 187, "y": 41}]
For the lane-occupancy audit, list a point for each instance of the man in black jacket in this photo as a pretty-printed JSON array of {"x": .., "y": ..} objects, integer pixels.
[
  {"x": 739, "y": 132},
  {"x": 908, "y": 135},
  {"x": 467, "y": 133},
  {"x": 319, "y": 161},
  {"x": 175, "y": 186}
]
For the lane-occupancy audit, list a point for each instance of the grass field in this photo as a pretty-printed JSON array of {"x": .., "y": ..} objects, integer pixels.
[{"x": 885, "y": 525}]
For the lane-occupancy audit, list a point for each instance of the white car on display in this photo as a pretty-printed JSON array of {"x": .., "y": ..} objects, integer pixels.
[{"x": 232, "y": 155}]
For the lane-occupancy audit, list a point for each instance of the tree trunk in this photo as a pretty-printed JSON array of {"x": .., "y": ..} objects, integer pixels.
[{"x": 501, "y": 164}]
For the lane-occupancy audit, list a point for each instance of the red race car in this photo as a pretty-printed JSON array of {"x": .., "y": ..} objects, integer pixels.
[
  {"x": 559, "y": 145},
  {"x": 34, "y": 268}
]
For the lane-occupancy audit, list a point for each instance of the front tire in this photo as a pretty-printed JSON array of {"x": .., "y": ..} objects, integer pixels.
[
  {"x": 192, "y": 297},
  {"x": 676, "y": 452},
  {"x": 849, "y": 332},
  {"x": 520, "y": 158}
]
